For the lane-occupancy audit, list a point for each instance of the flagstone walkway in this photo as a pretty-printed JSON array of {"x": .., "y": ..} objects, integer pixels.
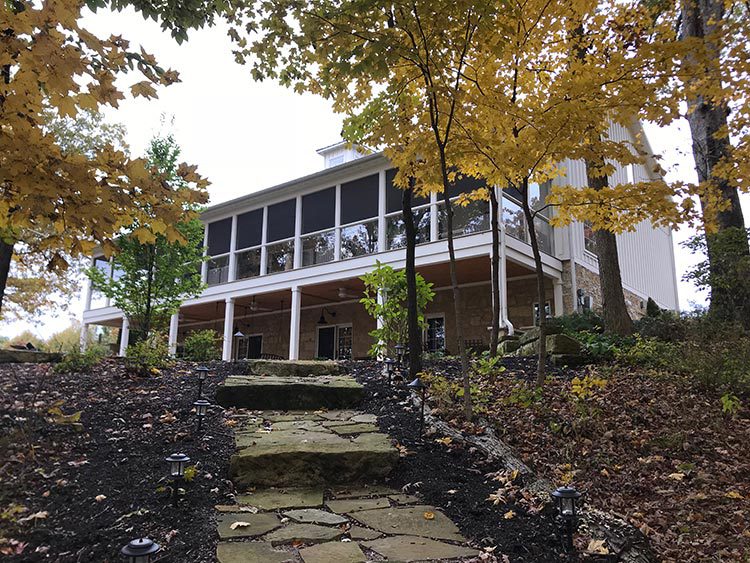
[{"x": 313, "y": 492}]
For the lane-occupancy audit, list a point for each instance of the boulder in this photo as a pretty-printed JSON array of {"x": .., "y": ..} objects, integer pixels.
[
  {"x": 28, "y": 357},
  {"x": 562, "y": 344},
  {"x": 508, "y": 347}
]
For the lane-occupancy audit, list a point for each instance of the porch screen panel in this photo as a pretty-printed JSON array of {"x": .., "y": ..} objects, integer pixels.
[
  {"x": 464, "y": 185},
  {"x": 359, "y": 199},
  {"x": 393, "y": 194},
  {"x": 281, "y": 220},
  {"x": 219, "y": 236},
  {"x": 249, "y": 229},
  {"x": 318, "y": 211}
]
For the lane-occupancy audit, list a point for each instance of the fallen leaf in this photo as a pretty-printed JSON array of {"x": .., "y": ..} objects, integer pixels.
[
  {"x": 677, "y": 476},
  {"x": 429, "y": 515},
  {"x": 100, "y": 498},
  {"x": 36, "y": 516},
  {"x": 734, "y": 495},
  {"x": 239, "y": 524},
  {"x": 444, "y": 441},
  {"x": 509, "y": 515},
  {"x": 597, "y": 547}
]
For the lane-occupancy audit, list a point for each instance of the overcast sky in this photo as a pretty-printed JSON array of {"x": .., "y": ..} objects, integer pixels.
[{"x": 245, "y": 136}]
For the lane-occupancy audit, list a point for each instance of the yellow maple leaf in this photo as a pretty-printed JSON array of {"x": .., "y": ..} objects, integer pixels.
[{"x": 429, "y": 515}]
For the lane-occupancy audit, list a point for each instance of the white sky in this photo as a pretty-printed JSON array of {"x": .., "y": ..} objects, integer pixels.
[{"x": 245, "y": 136}]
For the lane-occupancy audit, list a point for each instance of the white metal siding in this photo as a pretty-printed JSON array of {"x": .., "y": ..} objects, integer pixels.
[{"x": 646, "y": 254}]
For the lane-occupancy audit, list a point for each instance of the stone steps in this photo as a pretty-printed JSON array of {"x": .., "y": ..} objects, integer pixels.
[
  {"x": 275, "y": 392},
  {"x": 303, "y": 449}
]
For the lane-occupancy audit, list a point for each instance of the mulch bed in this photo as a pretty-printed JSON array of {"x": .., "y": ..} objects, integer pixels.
[
  {"x": 649, "y": 447},
  {"x": 73, "y": 494},
  {"x": 455, "y": 476}
]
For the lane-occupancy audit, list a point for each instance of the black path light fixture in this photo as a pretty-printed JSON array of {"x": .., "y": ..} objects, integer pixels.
[
  {"x": 567, "y": 499},
  {"x": 399, "y": 354},
  {"x": 177, "y": 464},
  {"x": 140, "y": 550},
  {"x": 418, "y": 387},
  {"x": 390, "y": 365},
  {"x": 202, "y": 372},
  {"x": 201, "y": 408}
]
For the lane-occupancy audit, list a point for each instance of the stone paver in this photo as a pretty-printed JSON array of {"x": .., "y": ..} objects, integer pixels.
[
  {"x": 338, "y": 552},
  {"x": 271, "y": 499},
  {"x": 251, "y": 525},
  {"x": 355, "y": 505},
  {"x": 315, "y": 516},
  {"x": 411, "y": 548},
  {"x": 404, "y": 499},
  {"x": 360, "y": 533},
  {"x": 306, "y": 533},
  {"x": 251, "y": 552},
  {"x": 358, "y": 428},
  {"x": 362, "y": 491},
  {"x": 425, "y": 521}
]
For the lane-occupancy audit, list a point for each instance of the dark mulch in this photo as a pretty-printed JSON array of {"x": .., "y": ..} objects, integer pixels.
[
  {"x": 454, "y": 476},
  {"x": 129, "y": 424}
]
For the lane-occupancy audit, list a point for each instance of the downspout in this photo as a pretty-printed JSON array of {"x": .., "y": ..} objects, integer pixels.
[{"x": 573, "y": 280}]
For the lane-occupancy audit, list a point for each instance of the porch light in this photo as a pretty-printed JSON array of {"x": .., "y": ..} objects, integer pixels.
[
  {"x": 201, "y": 407},
  {"x": 566, "y": 499},
  {"x": 418, "y": 387},
  {"x": 177, "y": 463},
  {"x": 202, "y": 372},
  {"x": 140, "y": 550},
  {"x": 322, "y": 320},
  {"x": 239, "y": 334}
]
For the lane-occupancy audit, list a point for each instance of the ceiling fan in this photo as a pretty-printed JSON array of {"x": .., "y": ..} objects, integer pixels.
[
  {"x": 254, "y": 307},
  {"x": 345, "y": 294}
]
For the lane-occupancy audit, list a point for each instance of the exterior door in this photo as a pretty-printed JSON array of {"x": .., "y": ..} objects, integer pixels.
[
  {"x": 254, "y": 346},
  {"x": 326, "y": 342}
]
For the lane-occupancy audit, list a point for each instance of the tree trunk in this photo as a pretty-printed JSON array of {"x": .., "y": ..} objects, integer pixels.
[
  {"x": 458, "y": 313},
  {"x": 6, "y": 256},
  {"x": 707, "y": 121},
  {"x": 495, "y": 267},
  {"x": 541, "y": 369},
  {"x": 415, "y": 334},
  {"x": 615, "y": 311}
]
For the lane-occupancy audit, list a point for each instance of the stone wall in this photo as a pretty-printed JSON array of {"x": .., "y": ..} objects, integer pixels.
[{"x": 589, "y": 282}]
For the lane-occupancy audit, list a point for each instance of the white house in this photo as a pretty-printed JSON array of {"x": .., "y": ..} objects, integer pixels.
[{"x": 284, "y": 273}]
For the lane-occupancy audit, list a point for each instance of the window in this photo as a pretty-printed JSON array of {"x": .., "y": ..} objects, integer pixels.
[
  {"x": 394, "y": 195},
  {"x": 219, "y": 236},
  {"x": 218, "y": 270},
  {"x": 547, "y": 312},
  {"x": 434, "y": 335},
  {"x": 280, "y": 257},
  {"x": 318, "y": 211},
  {"x": 473, "y": 218},
  {"x": 318, "y": 248},
  {"x": 248, "y": 263},
  {"x": 396, "y": 231},
  {"x": 281, "y": 219},
  {"x": 249, "y": 229},
  {"x": 250, "y": 347},
  {"x": 515, "y": 220},
  {"x": 359, "y": 240},
  {"x": 588, "y": 237},
  {"x": 359, "y": 199}
]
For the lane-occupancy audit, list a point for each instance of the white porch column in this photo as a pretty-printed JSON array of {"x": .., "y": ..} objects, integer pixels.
[
  {"x": 226, "y": 354},
  {"x": 503, "y": 266},
  {"x": 232, "y": 248},
  {"x": 204, "y": 264},
  {"x": 558, "y": 296},
  {"x": 337, "y": 223},
  {"x": 294, "y": 323},
  {"x": 379, "y": 321},
  {"x": 88, "y": 290},
  {"x": 434, "y": 227},
  {"x": 297, "y": 259},
  {"x": 84, "y": 339},
  {"x": 174, "y": 324},
  {"x": 124, "y": 336},
  {"x": 382, "y": 243}
]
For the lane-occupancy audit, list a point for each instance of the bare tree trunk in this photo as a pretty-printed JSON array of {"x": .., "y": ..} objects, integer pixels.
[
  {"x": 495, "y": 267},
  {"x": 711, "y": 145},
  {"x": 615, "y": 310},
  {"x": 6, "y": 256},
  {"x": 415, "y": 334},
  {"x": 541, "y": 370},
  {"x": 458, "y": 312}
]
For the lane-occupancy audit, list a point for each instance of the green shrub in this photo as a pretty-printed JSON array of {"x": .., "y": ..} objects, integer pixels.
[
  {"x": 649, "y": 353},
  {"x": 147, "y": 357},
  {"x": 202, "y": 345},
  {"x": 717, "y": 366},
  {"x": 587, "y": 321},
  {"x": 76, "y": 361},
  {"x": 667, "y": 326},
  {"x": 602, "y": 347}
]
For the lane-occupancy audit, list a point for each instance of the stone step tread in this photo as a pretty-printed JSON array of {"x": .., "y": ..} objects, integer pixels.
[
  {"x": 290, "y": 368},
  {"x": 401, "y": 531},
  {"x": 289, "y": 393},
  {"x": 303, "y": 449}
]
